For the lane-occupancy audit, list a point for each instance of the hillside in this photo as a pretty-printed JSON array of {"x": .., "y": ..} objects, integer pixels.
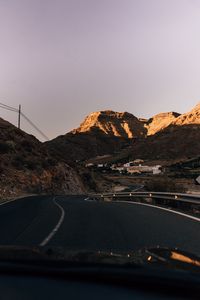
[
  {"x": 27, "y": 167},
  {"x": 80, "y": 146},
  {"x": 173, "y": 143}
]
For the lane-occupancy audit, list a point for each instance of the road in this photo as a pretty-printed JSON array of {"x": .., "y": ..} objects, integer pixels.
[{"x": 76, "y": 224}]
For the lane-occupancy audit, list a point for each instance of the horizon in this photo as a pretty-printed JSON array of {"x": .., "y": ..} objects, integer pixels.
[
  {"x": 38, "y": 136},
  {"x": 61, "y": 60}
]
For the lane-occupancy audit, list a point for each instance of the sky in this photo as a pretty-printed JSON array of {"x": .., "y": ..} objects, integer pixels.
[{"x": 63, "y": 59}]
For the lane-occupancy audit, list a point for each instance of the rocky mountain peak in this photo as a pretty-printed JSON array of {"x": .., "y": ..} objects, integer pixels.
[
  {"x": 160, "y": 122},
  {"x": 197, "y": 107},
  {"x": 190, "y": 118},
  {"x": 119, "y": 124}
]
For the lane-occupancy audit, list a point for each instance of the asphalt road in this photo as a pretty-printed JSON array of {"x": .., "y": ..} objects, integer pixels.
[{"x": 77, "y": 224}]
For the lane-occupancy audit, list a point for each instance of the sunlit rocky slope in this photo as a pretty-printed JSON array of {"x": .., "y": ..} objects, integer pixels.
[{"x": 124, "y": 125}]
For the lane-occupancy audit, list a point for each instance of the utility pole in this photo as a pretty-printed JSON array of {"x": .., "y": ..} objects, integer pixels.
[{"x": 19, "y": 116}]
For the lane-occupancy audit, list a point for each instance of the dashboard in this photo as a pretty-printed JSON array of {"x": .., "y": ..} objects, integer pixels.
[{"x": 31, "y": 288}]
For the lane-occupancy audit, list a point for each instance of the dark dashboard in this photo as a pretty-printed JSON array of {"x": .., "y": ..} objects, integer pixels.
[
  {"x": 26, "y": 282},
  {"x": 56, "y": 273}
]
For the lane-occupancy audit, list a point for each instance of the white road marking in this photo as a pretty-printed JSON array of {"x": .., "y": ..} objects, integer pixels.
[
  {"x": 15, "y": 199},
  {"x": 90, "y": 200},
  {"x": 9, "y": 201},
  {"x": 162, "y": 208},
  {"x": 137, "y": 189},
  {"x": 55, "y": 229}
]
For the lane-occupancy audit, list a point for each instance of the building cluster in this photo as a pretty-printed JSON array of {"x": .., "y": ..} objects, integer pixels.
[{"x": 133, "y": 167}]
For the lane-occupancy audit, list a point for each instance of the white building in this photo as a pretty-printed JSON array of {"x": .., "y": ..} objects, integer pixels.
[
  {"x": 156, "y": 170},
  {"x": 100, "y": 165}
]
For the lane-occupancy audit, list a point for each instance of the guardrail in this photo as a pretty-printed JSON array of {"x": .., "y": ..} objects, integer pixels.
[{"x": 184, "y": 202}]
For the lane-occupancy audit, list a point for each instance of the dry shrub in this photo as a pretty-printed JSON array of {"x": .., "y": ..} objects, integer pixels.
[{"x": 164, "y": 184}]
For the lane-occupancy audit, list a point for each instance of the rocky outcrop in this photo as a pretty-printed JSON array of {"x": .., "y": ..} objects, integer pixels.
[
  {"x": 190, "y": 118},
  {"x": 112, "y": 123},
  {"x": 160, "y": 122}
]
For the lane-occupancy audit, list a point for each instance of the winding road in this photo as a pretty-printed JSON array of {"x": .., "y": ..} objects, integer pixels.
[{"x": 77, "y": 223}]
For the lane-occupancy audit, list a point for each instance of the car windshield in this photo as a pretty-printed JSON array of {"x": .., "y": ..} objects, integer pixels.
[{"x": 100, "y": 132}]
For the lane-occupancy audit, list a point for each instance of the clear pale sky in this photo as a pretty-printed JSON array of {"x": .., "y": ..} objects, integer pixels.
[{"x": 62, "y": 59}]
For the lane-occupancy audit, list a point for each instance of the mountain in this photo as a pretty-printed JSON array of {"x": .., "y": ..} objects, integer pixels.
[
  {"x": 112, "y": 123},
  {"x": 190, "y": 118},
  {"x": 104, "y": 132},
  {"x": 167, "y": 136},
  {"x": 160, "y": 122},
  {"x": 27, "y": 167},
  {"x": 179, "y": 140}
]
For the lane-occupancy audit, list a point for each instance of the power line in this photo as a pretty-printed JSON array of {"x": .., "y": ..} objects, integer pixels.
[
  {"x": 34, "y": 126},
  {"x": 10, "y": 108}
]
